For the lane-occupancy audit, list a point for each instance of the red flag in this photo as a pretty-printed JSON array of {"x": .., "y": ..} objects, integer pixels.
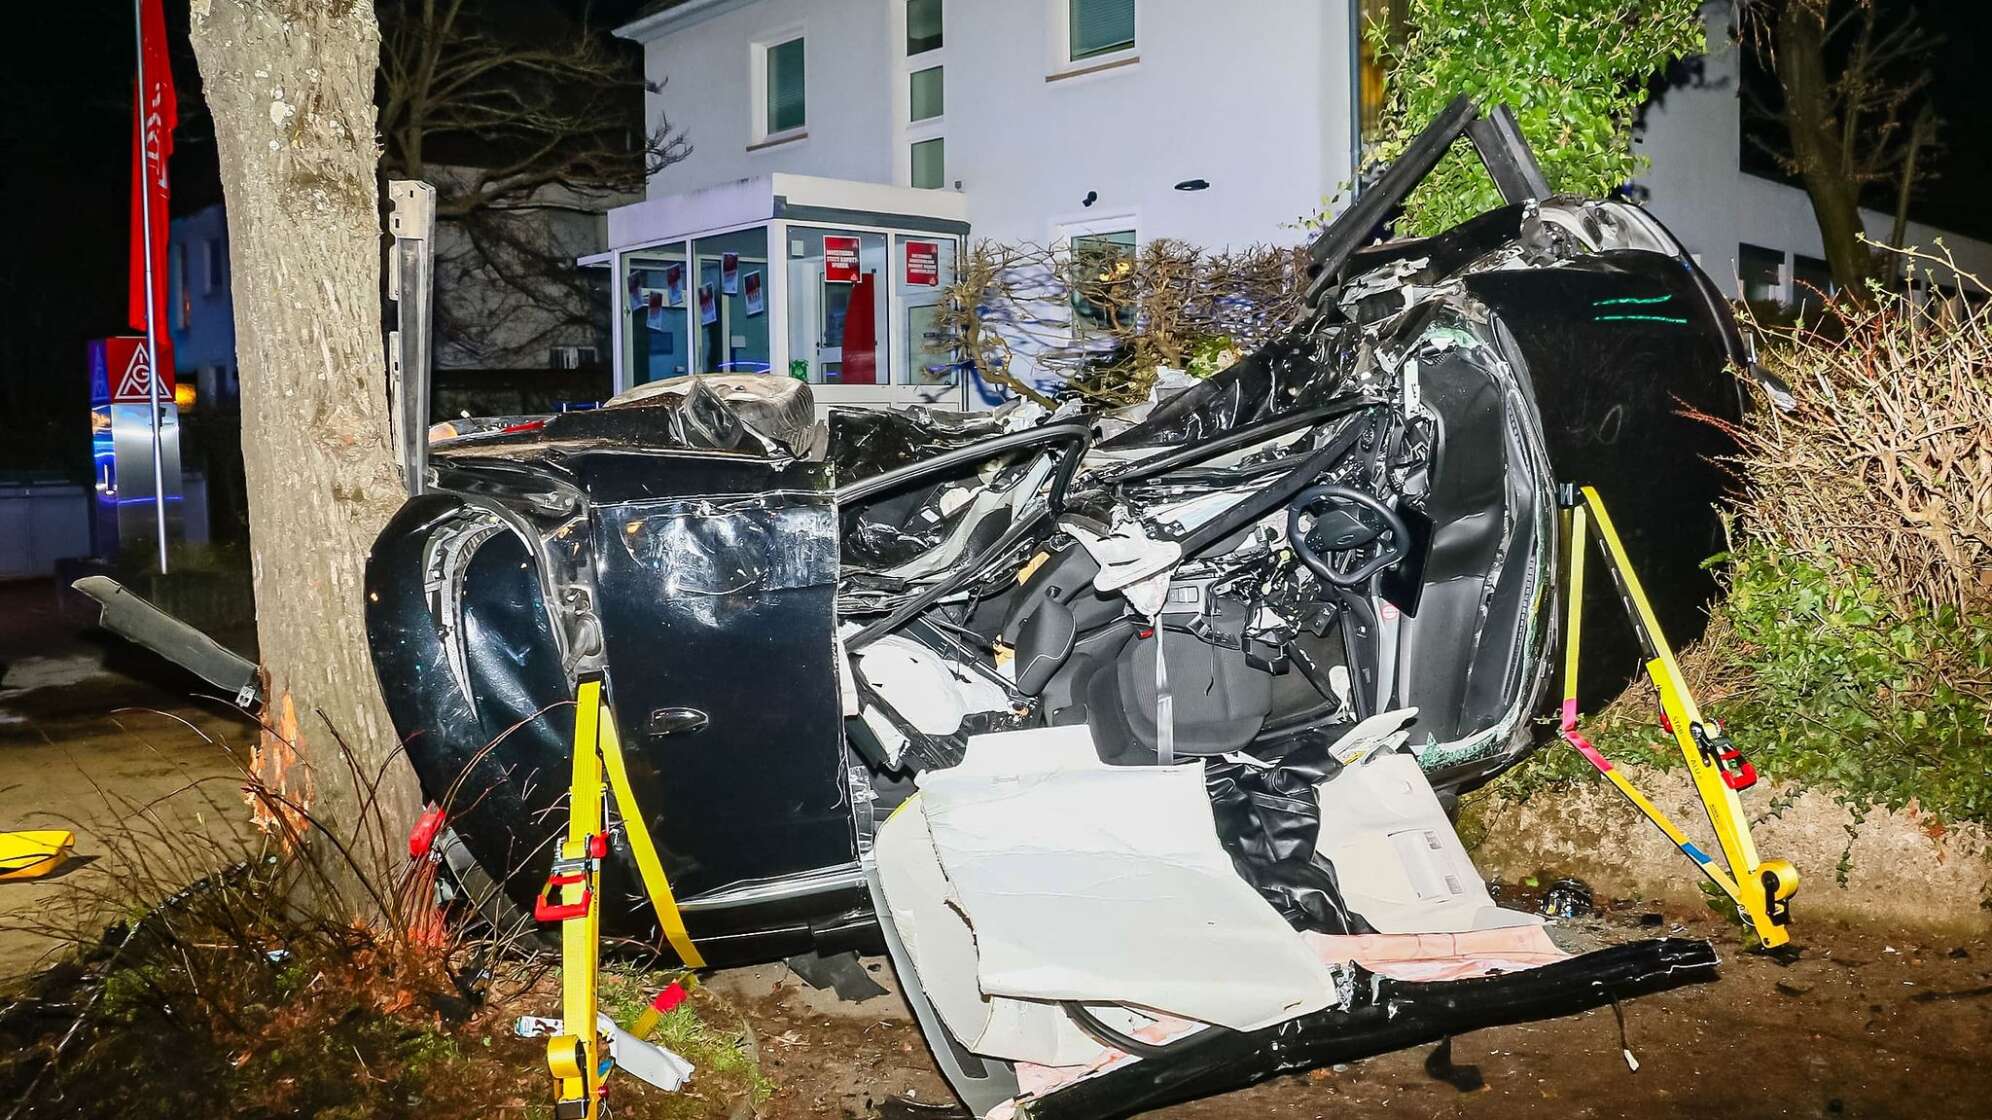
[{"x": 153, "y": 117}]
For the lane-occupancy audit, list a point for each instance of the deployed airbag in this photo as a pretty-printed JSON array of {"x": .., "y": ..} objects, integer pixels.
[{"x": 1102, "y": 884}]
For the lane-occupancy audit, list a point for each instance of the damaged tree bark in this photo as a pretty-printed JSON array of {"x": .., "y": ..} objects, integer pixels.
[{"x": 291, "y": 88}]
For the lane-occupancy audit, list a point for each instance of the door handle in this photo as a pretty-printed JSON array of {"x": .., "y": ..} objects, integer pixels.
[{"x": 676, "y": 721}]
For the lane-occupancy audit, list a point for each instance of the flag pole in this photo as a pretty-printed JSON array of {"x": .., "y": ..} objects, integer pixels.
[{"x": 151, "y": 300}]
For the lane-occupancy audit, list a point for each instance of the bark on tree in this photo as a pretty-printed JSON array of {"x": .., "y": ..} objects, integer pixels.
[
  {"x": 290, "y": 84},
  {"x": 1816, "y": 143}
]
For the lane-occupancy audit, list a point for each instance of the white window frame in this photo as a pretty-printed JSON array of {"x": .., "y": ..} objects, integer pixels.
[
  {"x": 906, "y": 131},
  {"x": 757, "y": 76},
  {"x": 1058, "y": 27}
]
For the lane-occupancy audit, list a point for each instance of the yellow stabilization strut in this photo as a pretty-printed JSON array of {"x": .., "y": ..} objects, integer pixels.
[
  {"x": 1762, "y": 889},
  {"x": 576, "y": 1056}
]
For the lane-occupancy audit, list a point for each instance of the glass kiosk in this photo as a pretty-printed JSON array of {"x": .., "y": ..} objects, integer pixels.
[{"x": 831, "y": 282}]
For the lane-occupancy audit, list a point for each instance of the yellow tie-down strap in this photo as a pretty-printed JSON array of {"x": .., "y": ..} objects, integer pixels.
[
  {"x": 572, "y": 897},
  {"x": 640, "y": 845},
  {"x": 1762, "y": 889}
]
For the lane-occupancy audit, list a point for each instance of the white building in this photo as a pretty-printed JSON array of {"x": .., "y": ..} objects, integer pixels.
[
  {"x": 1755, "y": 237},
  {"x": 1040, "y": 121}
]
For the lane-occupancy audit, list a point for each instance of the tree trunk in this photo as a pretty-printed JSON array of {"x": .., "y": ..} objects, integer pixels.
[
  {"x": 290, "y": 84},
  {"x": 1816, "y": 146}
]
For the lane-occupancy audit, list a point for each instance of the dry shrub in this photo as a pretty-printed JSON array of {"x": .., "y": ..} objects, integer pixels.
[
  {"x": 217, "y": 969},
  {"x": 1101, "y": 323},
  {"x": 1885, "y": 461}
]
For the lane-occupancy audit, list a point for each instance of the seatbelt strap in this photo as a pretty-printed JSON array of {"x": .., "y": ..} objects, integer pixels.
[{"x": 1165, "y": 704}]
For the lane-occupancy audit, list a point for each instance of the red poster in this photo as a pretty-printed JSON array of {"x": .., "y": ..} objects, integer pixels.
[
  {"x": 840, "y": 260},
  {"x": 154, "y": 114},
  {"x": 129, "y": 375},
  {"x": 923, "y": 263}
]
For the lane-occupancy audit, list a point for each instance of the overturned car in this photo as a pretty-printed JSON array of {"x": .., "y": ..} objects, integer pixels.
[{"x": 1132, "y": 738}]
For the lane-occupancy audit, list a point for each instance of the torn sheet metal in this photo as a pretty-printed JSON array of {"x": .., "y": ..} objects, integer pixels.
[
  {"x": 1387, "y": 1015},
  {"x": 1104, "y": 884}
]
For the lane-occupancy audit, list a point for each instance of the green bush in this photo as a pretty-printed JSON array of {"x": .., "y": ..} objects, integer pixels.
[
  {"x": 1831, "y": 686},
  {"x": 1574, "y": 72}
]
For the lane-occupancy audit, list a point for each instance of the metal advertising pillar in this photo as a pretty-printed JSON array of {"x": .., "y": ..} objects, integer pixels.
[{"x": 129, "y": 495}]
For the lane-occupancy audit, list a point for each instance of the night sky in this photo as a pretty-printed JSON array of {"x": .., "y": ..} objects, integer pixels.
[{"x": 66, "y": 85}]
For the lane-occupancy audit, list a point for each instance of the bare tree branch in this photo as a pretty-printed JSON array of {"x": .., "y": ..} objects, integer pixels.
[{"x": 526, "y": 122}]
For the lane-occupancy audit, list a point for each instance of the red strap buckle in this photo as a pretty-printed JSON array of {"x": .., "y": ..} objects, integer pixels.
[
  {"x": 1719, "y": 752},
  {"x": 1737, "y": 772},
  {"x": 422, "y": 838},
  {"x": 545, "y": 909}
]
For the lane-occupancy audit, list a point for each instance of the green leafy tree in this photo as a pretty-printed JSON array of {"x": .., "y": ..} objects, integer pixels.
[{"x": 1573, "y": 71}]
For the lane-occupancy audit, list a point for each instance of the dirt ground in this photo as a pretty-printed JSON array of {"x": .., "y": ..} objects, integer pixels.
[
  {"x": 93, "y": 732},
  {"x": 1860, "y": 1022}
]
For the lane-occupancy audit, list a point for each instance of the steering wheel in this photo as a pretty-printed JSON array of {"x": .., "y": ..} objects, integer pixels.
[{"x": 1352, "y": 520}]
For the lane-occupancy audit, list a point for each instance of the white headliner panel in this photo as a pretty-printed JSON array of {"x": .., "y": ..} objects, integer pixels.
[{"x": 1107, "y": 884}]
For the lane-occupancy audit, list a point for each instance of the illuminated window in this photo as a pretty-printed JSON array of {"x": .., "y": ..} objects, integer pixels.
[{"x": 1382, "y": 26}]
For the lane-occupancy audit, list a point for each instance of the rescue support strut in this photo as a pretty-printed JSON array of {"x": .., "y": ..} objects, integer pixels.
[{"x": 1762, "y": 889}]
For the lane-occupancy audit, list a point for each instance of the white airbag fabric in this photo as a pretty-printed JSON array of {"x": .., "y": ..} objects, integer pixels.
[
  {"x": 943, "y": 951},
  {"x": 1088, "y": 882},
  {"x": 1397, "y": 859}
]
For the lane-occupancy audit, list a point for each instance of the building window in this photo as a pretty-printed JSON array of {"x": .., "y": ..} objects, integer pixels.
[
  {"x": 785, "y": 87},
  {"x": 1760, "y": 273},
  {"x": 178, "y": 292},
  {"x": 217, "y": 262},
  {"x": 1811, "y": 285},
  {"x": 923, "y": 26},
  {"x": 930, "y": 168},
  {"x": 1098, "y": 27},
  {"x": 1102, "y": 263},
  {"x": 926, "y": 94}
]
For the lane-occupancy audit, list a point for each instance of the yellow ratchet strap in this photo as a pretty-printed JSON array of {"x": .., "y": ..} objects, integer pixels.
[
  {"x": 571, "y": 898},
  {"x": 645, "y": 851},
  {"x": 1762, "y": 889}
]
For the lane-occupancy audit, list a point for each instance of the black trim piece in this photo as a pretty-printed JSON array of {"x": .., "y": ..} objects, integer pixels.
[
  {"x": 1079, "y": 434},
  {"x": 1506, "y": 156},
  {"x": 1192, "y": 454},
  {"x": 1100, "y": 1032},
  {"x": 1272, "y": 497},
  {"x": 908, "y": 223},
  {"x": 1385, "y": 1015},
  {"x": 1352, "y": 230}
]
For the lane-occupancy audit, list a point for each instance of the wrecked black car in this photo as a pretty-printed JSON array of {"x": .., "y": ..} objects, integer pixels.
[{"x": 1131, "y": 737}]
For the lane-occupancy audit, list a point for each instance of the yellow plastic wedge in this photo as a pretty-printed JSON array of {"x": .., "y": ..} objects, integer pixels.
[{"x": 31, "y": 855}]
